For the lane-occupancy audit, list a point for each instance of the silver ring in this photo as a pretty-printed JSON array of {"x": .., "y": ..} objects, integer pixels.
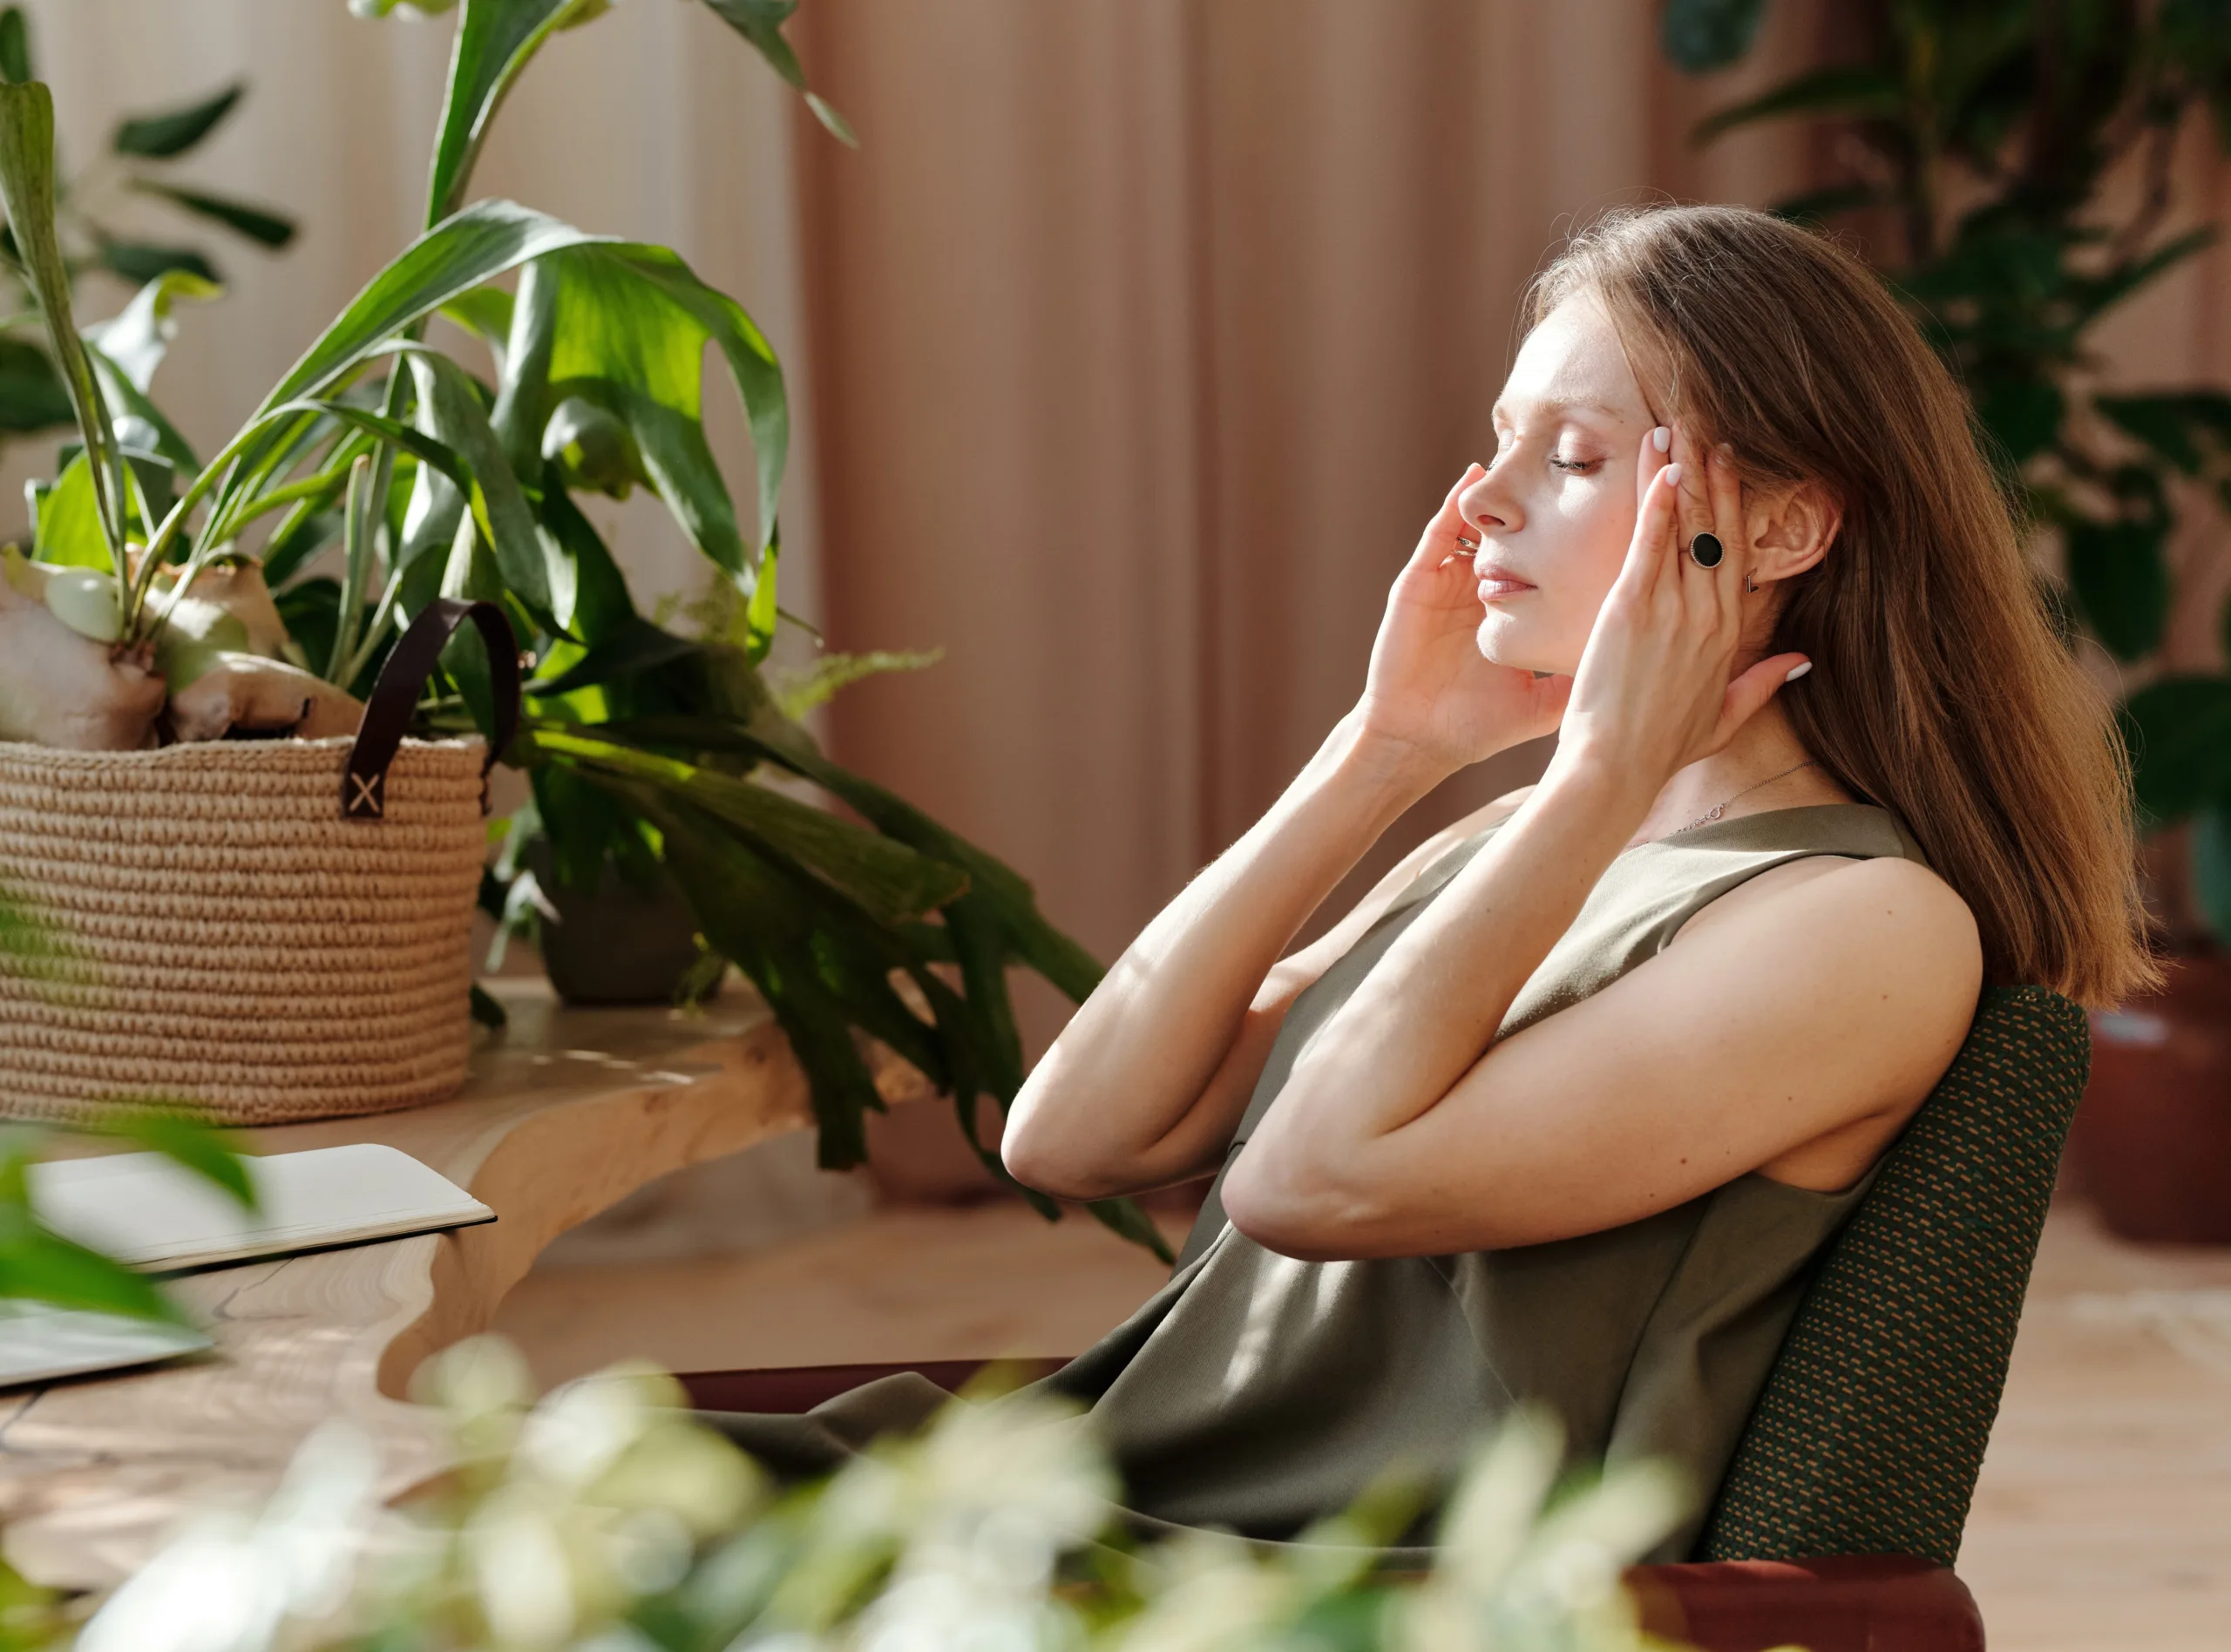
[{"x": 1470, "y": 544}]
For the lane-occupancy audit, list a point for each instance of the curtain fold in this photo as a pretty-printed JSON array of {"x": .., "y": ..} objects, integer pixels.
[{"x": 1148, "y": 334}]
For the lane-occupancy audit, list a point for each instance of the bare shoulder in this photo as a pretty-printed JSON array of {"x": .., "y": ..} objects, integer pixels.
[{"x": 1890, "y": 924}]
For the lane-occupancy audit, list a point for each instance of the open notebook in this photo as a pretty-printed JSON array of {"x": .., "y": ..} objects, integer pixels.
[{"x": 142, "y": 1209}]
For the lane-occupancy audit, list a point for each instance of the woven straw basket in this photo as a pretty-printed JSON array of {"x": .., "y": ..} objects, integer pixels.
[{"x": 228, "y": 936}]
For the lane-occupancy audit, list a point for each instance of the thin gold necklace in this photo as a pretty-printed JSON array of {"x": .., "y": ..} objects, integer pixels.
[{"x": 1720, "y": 808}]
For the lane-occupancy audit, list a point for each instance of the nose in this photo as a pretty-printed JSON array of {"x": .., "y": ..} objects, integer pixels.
[{"x": 1484, "y": 505}]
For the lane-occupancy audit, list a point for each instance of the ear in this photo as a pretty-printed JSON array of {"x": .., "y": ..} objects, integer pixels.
[{"x": 1791, "y": 530}]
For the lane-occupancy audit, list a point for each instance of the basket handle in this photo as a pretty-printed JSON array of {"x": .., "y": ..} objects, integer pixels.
[{"x": 395, "y": 696}]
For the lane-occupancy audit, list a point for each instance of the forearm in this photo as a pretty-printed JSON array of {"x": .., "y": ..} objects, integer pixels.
[
  {"x": 1128, "y": 1070},
  {"x": 1433, "y": 1005}
]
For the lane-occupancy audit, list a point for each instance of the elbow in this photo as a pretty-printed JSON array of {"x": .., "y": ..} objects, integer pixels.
[
  {"x": 1042, "y": 1168},
  {"x": 1287, "y": 1204}
]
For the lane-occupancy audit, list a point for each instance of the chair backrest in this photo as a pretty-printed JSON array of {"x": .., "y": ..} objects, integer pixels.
[{"x": 1871, "y": 1429}]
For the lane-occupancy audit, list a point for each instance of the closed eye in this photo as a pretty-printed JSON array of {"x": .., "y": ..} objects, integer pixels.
[{"x": 1575, "y": 467}]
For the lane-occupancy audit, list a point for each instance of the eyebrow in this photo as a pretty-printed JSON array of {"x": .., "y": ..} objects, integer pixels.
[{"x": 1497, "y": 410}]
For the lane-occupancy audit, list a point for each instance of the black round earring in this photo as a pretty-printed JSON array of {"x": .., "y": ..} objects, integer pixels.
[{"x": 1707, "y": 550}]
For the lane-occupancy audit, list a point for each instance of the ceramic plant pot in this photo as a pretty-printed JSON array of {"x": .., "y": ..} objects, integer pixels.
[
  {"x": 615, "y": 944},
  {"x": 2152, "y": 1139}
]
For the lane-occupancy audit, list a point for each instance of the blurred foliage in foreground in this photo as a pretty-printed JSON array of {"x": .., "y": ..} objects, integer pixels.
[{"x": 605, "y": 1520}]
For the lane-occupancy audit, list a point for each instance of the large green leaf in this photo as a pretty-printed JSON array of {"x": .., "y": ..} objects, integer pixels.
[
  {"x": 66, "y": 524},
  {"x": 2121, "y": 581},
  {"x": 138, "y": 335},
  {"x": 449, "y": 260},
  {"x": 2160, "y": 421},
  {"x": 32, "y": 395},
  {"x": 39, "y": 1266},
  {"x": 622, "y": 327},
  {"x": 890, "y": 880},
  {"x": 449, "y": 410},
  {"x": 2179, "y": 729},
  {"x": 2099, "y": 295},
  {"x": 1839, "y": 89},
  {"x": 620, "y": 653},
  {"x": 2211, "y": 868},
  {"x": 1004, "y": 895},
  {"x": 159, "y": 137},
  {"x": 761, "y": 23},
  {"x": 496, "y": 39},
  {"x": 150, "y": 261},
  {"x": 761, "y": 920},
  {"x": 179, "y": 1136},
  {"x": 27, "y": 192},
  {"x": 2021, "y": 412},
  {"x": 1702, "y": 35},
  {"x": 139, "y": 422},
  {"x": 258, "y": 224},
  {"x": 15, "y": 46}
]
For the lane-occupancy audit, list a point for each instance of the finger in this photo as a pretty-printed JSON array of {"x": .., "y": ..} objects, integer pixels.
[
  {"x": 1698, "y": 585},
  {"x": 1748, "y": 693},
  {"x": 1696, "y": 496},
  {"x": 1726, "y": 489},
  {"x": 1652, "y": 548},
  {"x": 1450, "y": 533},
  {"x": 1656, "y": 445}
]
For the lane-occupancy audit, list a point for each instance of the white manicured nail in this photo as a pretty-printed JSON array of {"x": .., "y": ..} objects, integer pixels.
[
  {"x": 1798, "y": 671},
  {"x": 1661, "y": 439},
  {"x": 1672, "y": 474}
]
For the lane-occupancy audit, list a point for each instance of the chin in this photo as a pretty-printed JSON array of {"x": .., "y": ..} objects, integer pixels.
[{"x": 1506, "y": 639}]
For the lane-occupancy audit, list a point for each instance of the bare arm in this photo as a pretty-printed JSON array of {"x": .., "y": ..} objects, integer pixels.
[
  {"x": 1791, "y": 1028},
  {"x": 1146, "y": 1085}
]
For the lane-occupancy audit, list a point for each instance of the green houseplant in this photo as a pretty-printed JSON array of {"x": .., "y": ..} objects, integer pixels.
[
  {"x": 198, "y": 584},
  {"x": 137, "y": 164},
  {"x": 2011, "y": 165},
  {"x": 1986, "y": 142}
]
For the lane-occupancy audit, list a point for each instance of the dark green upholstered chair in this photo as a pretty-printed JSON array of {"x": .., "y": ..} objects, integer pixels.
[
  {"x": 1844, "y": 1506},
  {"x": 1872, "y": 1427}
]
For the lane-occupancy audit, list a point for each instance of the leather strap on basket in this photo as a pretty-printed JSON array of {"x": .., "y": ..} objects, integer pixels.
[{"x": 395, "y": 696}]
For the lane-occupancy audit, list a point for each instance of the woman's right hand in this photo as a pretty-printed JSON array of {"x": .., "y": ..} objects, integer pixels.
[
  {"x": 1429, "y": 692},
  {"x": 1658, "y": 687}
]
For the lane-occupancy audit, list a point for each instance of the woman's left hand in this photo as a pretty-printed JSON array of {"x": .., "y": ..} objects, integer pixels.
[{"x": 1656, "y": 687}]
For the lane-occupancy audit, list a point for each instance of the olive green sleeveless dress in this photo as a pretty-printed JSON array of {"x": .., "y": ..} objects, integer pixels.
[{"x": 1256, "y": 1392}]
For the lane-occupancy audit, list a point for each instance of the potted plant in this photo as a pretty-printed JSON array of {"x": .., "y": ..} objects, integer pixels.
[
  {"x": 200, "y": 588},
  {"x": 1980, "y": 141}
]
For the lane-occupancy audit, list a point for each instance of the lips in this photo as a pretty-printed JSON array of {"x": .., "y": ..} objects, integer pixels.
[{"x": 1496, "y": 583}]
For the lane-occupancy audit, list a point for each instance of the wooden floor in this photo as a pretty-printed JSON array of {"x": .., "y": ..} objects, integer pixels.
[{"x": 2103, "y": 1523}]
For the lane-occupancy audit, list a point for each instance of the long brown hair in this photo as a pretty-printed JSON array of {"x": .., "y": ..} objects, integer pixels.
[{"x": 1940, "y": 691}]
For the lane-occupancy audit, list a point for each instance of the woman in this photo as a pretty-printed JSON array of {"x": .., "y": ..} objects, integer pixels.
[{"x": 1565, "y": 1109}]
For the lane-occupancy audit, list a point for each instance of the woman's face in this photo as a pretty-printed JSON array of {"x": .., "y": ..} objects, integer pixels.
[{"x": 1556, "y": 508}]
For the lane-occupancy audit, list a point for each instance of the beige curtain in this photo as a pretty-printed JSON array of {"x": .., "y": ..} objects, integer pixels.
[
  {"x": 1147, "y": 334},
  {"x": 1131, "y": 349}
]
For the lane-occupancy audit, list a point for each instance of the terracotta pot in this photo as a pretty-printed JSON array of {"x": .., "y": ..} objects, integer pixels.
[{"x": 2152, "y": 1139}]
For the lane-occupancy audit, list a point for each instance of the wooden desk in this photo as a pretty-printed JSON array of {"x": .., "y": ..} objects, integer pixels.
[{"x": 566, "y": 1113}]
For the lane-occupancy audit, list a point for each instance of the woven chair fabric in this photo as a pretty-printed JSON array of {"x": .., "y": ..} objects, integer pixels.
[{"x": 1871, "y": 1429}]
